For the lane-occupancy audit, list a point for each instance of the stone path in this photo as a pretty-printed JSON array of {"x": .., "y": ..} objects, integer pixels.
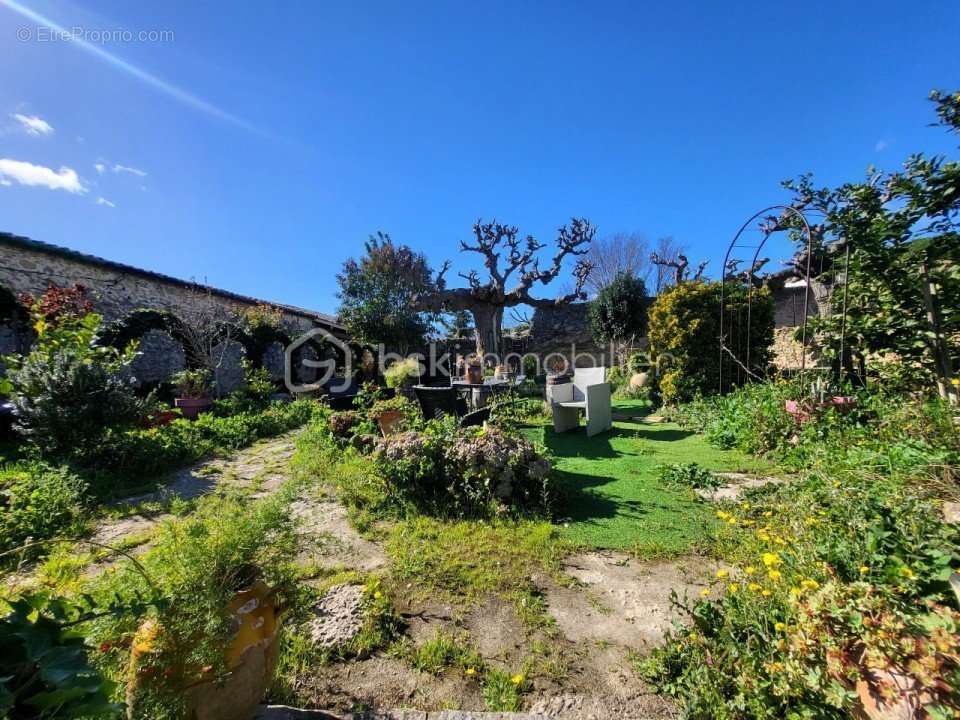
[{"x": 281, "y": 712}]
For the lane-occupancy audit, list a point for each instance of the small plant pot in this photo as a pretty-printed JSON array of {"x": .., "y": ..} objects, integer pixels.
[
  {"x": 389, "y": 421},
  {"x": 192, "y": 407},
  {"x": 474, "y": 374}
]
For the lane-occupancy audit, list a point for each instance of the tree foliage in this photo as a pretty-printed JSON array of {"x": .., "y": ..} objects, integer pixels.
[
  {"x": 377, "y": 294},
  {"x": 903, "y": 279},
  {"x": 684, "y": 335},
  {"x": 619, "y": 313}
]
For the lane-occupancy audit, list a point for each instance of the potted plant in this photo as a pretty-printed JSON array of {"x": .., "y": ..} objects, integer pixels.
[
  {"x": 474, "y": 370},
  {"x": 231, "y": 692},
  {"x": 390, "y": 414},
  {"x": 193, "y": 387}
]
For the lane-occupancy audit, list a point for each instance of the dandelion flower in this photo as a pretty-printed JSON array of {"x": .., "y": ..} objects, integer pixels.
[
  {"x": 809, "y": 584},
  {"x": 771, "y": 559},
  {"x": 864, "y": 569},
  {"x": 517, "y": 679},
  {"x": 906, "y": 572},
  {"x": 753, "y": 587},
  {"x": 705, "y": 592},
  {"x": 722, "y": 574},
  {"x": 377, "y": 595},
  {"x": 779, "y": 627},
  {"x": 749, "y": 570},
  {"x": 471, "y": 671},
  {"x": 768, "y": 513},
  {"x": 733, "y": 587},
  {"x": 765, "y": 593},
  {"x": 774, "y": 575}
]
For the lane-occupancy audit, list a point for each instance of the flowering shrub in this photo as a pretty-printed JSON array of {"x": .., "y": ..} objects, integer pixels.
[
  {"x": 835, "y": 586},
  {"x": 465, "y": 471}
]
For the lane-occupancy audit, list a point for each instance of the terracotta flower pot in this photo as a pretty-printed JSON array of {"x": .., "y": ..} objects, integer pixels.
[
  {"x": 474, "y": 374},
  {"x": 388, "y": 421},
  {"x": 192, "y": 407},
  {"x": 251, "y": 659}
]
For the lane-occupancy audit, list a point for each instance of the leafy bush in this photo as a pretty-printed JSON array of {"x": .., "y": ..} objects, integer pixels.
[
  {"x": 44, "y": 666},
  {"x": 38, "y": 502},
  {"x": 68, "y": 388},
  {"x": 402, "y": 373},
  {"x": 689, "y": 475},
  {"x": 833, "y": 579},
  {"x": 684, "y": 336},
  {"x": 619, "y": 312},
  {"x": 464, "y": 471}
]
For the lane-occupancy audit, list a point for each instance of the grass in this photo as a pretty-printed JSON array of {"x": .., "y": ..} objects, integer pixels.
[{"x": 613, "y": 498}]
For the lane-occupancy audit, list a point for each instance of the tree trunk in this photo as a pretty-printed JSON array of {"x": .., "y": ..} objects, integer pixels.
[
  {"x": 938, "y": 342},
  {"x": 488, "y": 320}
]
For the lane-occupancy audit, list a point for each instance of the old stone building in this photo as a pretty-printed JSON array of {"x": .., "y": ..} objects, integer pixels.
[{"x": 121, "y": 291}]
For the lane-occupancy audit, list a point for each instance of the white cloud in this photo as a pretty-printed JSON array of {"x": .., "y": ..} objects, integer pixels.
[
  {"x": 100, "y": 168},
  {"x": 33, "y": 125},
  {"x": 106, "y": 203},
  {"x": 128, "y": 169},
  {"x": 39, "y": 176},
  {"x": 881, "y": 146}
]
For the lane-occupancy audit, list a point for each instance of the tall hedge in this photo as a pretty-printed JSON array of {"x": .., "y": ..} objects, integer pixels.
[{"x": 684, "y": 323}]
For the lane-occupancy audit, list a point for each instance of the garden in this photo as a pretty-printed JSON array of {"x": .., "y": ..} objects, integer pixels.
[{"x": 786, "y": 544}]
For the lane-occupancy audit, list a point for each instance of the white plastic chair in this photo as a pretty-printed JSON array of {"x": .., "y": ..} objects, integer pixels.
[{"x": 589, "y": 392}]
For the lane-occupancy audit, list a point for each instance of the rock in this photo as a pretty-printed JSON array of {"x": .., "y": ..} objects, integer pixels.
[
  {"x": 639, "y": 380},
  {"x": 951, "y": 512},
  {"x": 338, "y": 617}
]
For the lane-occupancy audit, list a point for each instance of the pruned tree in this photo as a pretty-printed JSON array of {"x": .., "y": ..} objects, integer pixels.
[
  {"x": 506, "y": 257},
  {"x": 666, "y": 251},
  {"x": 680, "y": 265}
]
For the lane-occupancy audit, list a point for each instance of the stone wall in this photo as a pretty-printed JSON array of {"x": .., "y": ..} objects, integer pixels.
[{"x": 30, "y": 267}]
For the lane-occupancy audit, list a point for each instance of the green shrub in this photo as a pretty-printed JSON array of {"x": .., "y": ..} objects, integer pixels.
[
  {"x": 464, "y": 471},
  {"x": 44, "y": 667},
  {"x": 684, "y": 336},
  {"x": 68, "y": 388},
  {"x": 834, "y": 577},
  {"x": 39, "y": 502},
  {"x": 195, "y": 383},
  {"x": 404, "y": 372},
  {"x": 619, "y": 312}
]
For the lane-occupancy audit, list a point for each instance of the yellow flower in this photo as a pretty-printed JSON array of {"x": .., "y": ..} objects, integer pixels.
[
  {"x": 836, "y": 483},
  {"x": 780, "y": 541},
  {"x": 774, "y": 575},
  {"x": 809, "y": 584},
  {"x": 722, "y": 574},
  {"x": 705, "y": 592},
  {"x": 753, "y": 587},
  {"x": 749, "y": 570},
  {"x": 377, "y": 595},
  {"x": 693, "y": 637},
  {"x": 722, "y": 515},
  {"x": 745, "y": 506},
  {"x": 864, "y": 569},
  {"x": 955, "y": 382},
  {"x": 906, "y": 572},
  {"x": 768, "y": 513},
  {"x": 779, "y": 627},
  {"x": 733, "y": 587},
  {"x": 732, "y": 521},
  {"x": 517, "y": 679},
  {"x": 471, "y": 671},
  {"x": 771, "y": 559},
  {"x": 765, "y": 593}
]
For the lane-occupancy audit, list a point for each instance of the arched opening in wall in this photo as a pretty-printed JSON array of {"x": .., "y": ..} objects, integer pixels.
[
  {"x": 161, "y": 348},
  {"x": 15, "y": 332}
]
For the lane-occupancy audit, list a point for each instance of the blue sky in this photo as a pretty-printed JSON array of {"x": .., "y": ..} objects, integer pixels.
[{"x": 257, "y": 145}]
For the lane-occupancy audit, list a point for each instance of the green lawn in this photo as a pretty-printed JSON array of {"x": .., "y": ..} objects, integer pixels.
[{"x": 612, "y": 498}]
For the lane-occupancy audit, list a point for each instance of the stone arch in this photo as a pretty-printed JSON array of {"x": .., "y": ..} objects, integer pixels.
[
  {"x": 162, "y": 348},
  {"x": 15, "y": 331}
]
